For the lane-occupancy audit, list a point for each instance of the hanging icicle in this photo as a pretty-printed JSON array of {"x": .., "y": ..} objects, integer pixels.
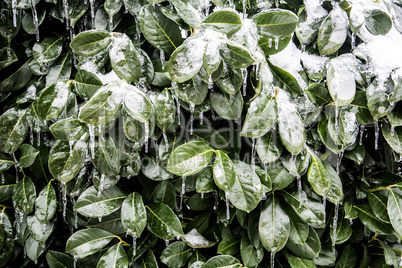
[
  {"x": 165, "y": 138},
  {"x": 253, "y": 151},
  {"x": 227, "y": 205},
  {"x": 272, "y": 260},
  {"x": 92, "y": 6},
  {"x": 134, "y": 246},
  {"x": 183, "y": 191},
  {"x": 35, "y": 19},
  {"x": 201, "y": 115},
  {"x": 335, "y": 224},
  {"x": 377, "y": 134},
  {"x": 14, "y": 8},
  {"x": 192, "y": 108},
  {"x": 91, "y": 130},
  {"x": 361, "y": 135},
  {"x": 146, "y": 136},
  {"x": 244, "y": 77},
  {"x": 65, "y": 7},
  {"x": 63, "y": 198}
]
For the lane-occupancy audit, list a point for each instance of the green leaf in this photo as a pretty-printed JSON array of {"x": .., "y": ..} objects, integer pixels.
[
  {"x": 236, "y": 55},
  {"x": 296, "y": 262},
  {"x": 277, "y": 22},
  {"x": 104, "y": 105},
  {"x": 46, "y": 203},
  {"x": 230, "y": 81},
  {"x": 335, "y": 194},
  {"x": 13, "y": 129},
  {"x": 86, "y": 84},
  {"x": 111, "y": 223},
  {"x": 7, "y": 187},
  {"x": 176, "y": 254},
  {"x": 60, "y": 70},
  {"x": 378, "y": 22},
  {"x": 205, "y": 181},
  {"x": 224, "y": 21},
  {"x": 133, "y": 214},
  {"x": 106, "y": 157},
  {"x": 307, "y": 208},
  {"x": 115, "y": 257},
  {"x": 189, "y": 11},
  {"x": 47, "y": 51},
  {"x": 158, "y": 29},
  {"x": 393, "y": 139},
  {"x": 318, "y": 94},
  {"x": 113, "y": 7},
  {"x": 394, "y": 208},
  {"x": 189, "y": 158},
  {"x": 247, "y": 189},
  {"x": 53, "y": 99},
  {"x": 90, "y": 42},
  {"x": 24, "y": 195},
  {"x": 28, "y": 155},
  {"x": 109, "y": 200},
  {"x": 333, "y": 31},
  {"x": 299, "y": 229},
  {"x": 212, "y": 137},
  {"x": 261, "y": 116},
  {"x": 165, "y": 110},
  {"x": 229, "y": 246},
  {"x": 227, "y": 106},
  {"x": 193, "y": 91},
  {"x": 224, "y": 171},
  {"x": 280, "y": 177},
  {"x": 343, "y": 231},
  {"x": 68, "y": 129},
  {"x": 34, "y": 249},
  {"x": 147, "y": 260},
  {"x": 186, "y": 61},
  {"x": 137, "y": 104},
  {"x": 15, "y": 77},
  {"x": 250, "y": 255},
  {"x": 318, "y": 175},
  {"x": 285, "y": 81},
  {"x": 124, "y": 59},
  {"x": 164, "y": 192},
  {"x": 269, "y": 147},
  {"x": 274, "y": 225},
  {"x": 367, "y": 217},
  {"x": 87, "y": 242},
  {"x": 222, "y": 261},
  {"x": 40, "y": 231},
  {"x": 5, "y": 162},
  {"x": 389, "y": 254},
  {"x": 65, "y": 161},
  {"x": 309, "y": 249},
  {"x": 378, "y": 203},
  {"x": 291, "y": 127},
  {"x": 271, "y": 46},
  {"x": 349, "y": 258},
  {"x": 162, "y": 221},
  {"x": 59, "y": 260}
]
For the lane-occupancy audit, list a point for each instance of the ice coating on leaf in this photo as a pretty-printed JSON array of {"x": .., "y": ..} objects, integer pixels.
[
  {"x": 290, "y": 60},
  {"x": 314, "y": 9},
  {"x": 195, "y": 240},
  {"x": 382, "y": 52}
]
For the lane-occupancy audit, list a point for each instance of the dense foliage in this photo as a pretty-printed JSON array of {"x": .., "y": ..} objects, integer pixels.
[{"x": 200, "y": 134}]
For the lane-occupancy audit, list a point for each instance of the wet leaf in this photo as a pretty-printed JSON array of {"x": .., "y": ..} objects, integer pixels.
[
  {"x": 47, "y": 51},
  {"x": 176, "y": 254},
  {"x": 46, "y": 203},
  {"x": 378, "y": 22},
  {"x": 13, "y": 129},
  {"x": 162, "y": 222},
  {"x": 24, "y": 195},
  {"x": 115, "y": 256},
  {"x": 274, "y": 23},
  {"x": 52, "y": 100},
  {"x": 133, "y": 214},
  {"x": 90, "y": 42},
  {"x": 28, "y": 155},
  {"x": 224, "y": 171}
]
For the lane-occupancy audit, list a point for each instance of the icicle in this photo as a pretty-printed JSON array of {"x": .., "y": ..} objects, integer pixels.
[
  {"x": 263, "y": 196},
  {"x": 202, "y": 195},
  {"x": 3, "y": 179},
  {"x": 299, "y": 186},
  {"x": 100, "y": 219},
  {"x": 227, "y": 205},
  {"x": 244, "y": 76},
  {"x": 192, "y": 107},
  {"x": 110, "y": 24},
  {"x": 303, "y": 47},
  {"x": 216, "y": 200},
  {"x": 183, "y": 191},
  {"x": 272, "y": 260},
  {"x": 38, "y": 141},
  {"x": 392, "y": 130},
  {"x": 178, "y": 111},
  {"x": 14, "y": 8},
  {"x": 75, "y": 261},
  {"x": 64, "y": 198},
  {"x": 353, "y": 42},
  {"x": 201, "y": 115},
  {"x": 184, "y": 33},
  {"x": 71, "y": 143},
  {"x": 91, "y": 130},
  {"x": 244, "y": 9},
  {"x": 377, "y": 133},
  {"x": 65, "y": 6},
  {"x": 167, "y": 243},
  {"x": 351, "y": 221},
  {"x": 253, "y": 155},
  {"x": 92, "y": 6},
  {"x": 137, "y": 36},
  {"x": 276, "y": 41},
  {"x": 146, "y": 136},
  {"x": 335, "y": 224},
  {"x": 128, "y": 177},
  {"x": 101, "y": 185},
  {"x": 75, "y": 220},
  {"x": 17, "y": 167},
  {"x": 134, "y": 246},
  {"x": 336, "y": 123},
  {"x": 324, "y": 202},
  {"x": 162, "y": 57},
  {"x": 361, "y": 135},
  {"x": 31, "y": 136},
  {"x": 340, "y": 156},
  {"x": 210, "y": 85},
  {"x": 25, "y": 253},
  {"x": 156, "y": 146},
  {"x": 35, "y": 19},
  {"x": 270, "y": 42},
  {"x": 165, "y": 137},
  {"x": 17, "y": 178}
]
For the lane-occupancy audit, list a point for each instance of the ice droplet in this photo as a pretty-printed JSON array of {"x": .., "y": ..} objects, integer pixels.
[
  {"x": 146, "y": 136},
  {"x": 35, "y": 19},
  {"x": 65, "y": 7},
  {"x": 353, "y": 41},
  {"x": 165, "y": 137},
  {"x": 64, "y": 198},
  {"x": 335, "y": 224},
  {"x": 339, "y": 160},
  {"x": 201, "y": 115},
  {"x": 167, "y": 243},
  {"x": 392, "y": 130},
  {"x": 91, "y": 130},
  {"x": 162, "y": 57},
  {"x": 183, "y": 191},
  {"x": 202, "y": 194},
  {"x": 31, "y": 136},
  {"x": 92, "y": 6},
  {"x": 38, "y": 141},
  {"x": 14, "y": 8},
  {"x": 3, "y": 179},
  {"x": 361, "y": 135},
  {"x": 272, "y": 260},
  {"x": 227, "y": 205},
  {"x": 100, "y": 219},
  {"x": 377, "y": 133},
  {"x": 216, "y": 200}
]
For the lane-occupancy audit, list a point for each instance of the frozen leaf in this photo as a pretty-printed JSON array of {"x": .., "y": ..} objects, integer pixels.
[
  {"x": 115, "y": 257},
  {"x": 24, "y": 195},
  {"x": 224, "y": 21},
  {"x": 28, "y": 155},
  {"x": 13, "y": 129},
  {"x": 162, "y": 222},
  {"x": 90, "y": 42},
  {"x": 46, "y": 203},
  {"x": 274, "y": 23},
  {"x": 47, "y": 51},
  {"x": 133, "y": 214}
]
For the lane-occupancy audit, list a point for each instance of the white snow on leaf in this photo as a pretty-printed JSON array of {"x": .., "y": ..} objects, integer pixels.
[{"x": 196, "y": 240}]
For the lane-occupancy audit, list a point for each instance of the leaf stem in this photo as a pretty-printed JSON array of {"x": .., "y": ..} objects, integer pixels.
[
  {"x": 382, "y": 188},
  {"x": 122, "y": 241}
]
